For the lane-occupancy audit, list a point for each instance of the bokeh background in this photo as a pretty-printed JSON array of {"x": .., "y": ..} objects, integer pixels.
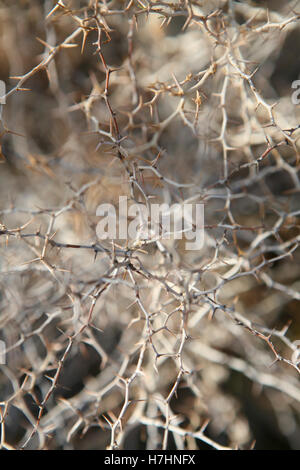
[{"x": 141, "y": 344}]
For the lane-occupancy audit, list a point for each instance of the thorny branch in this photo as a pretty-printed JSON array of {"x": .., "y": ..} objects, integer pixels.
[{"x": 169, "y": 117}]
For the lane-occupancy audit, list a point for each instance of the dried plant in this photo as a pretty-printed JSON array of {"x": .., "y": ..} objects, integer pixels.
[{"x": 142, "y": 344}]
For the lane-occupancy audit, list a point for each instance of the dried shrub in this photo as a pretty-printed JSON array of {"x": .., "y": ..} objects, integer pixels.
[{"x": 142, "y": 344}]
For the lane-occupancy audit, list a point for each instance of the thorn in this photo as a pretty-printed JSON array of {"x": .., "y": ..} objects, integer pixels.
[
  {"x": 23, "y": 89},
  {"x": 54, "y": 9},
  {"x": 84, "y": 38},
  {"x": 44, "y": 43}
]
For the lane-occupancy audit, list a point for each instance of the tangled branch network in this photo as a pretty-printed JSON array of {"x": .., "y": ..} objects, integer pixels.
[{"x": 141, "y": 343}]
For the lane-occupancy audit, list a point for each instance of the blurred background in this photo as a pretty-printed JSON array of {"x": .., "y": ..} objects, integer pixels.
[{"x": 142, "y": 344}]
